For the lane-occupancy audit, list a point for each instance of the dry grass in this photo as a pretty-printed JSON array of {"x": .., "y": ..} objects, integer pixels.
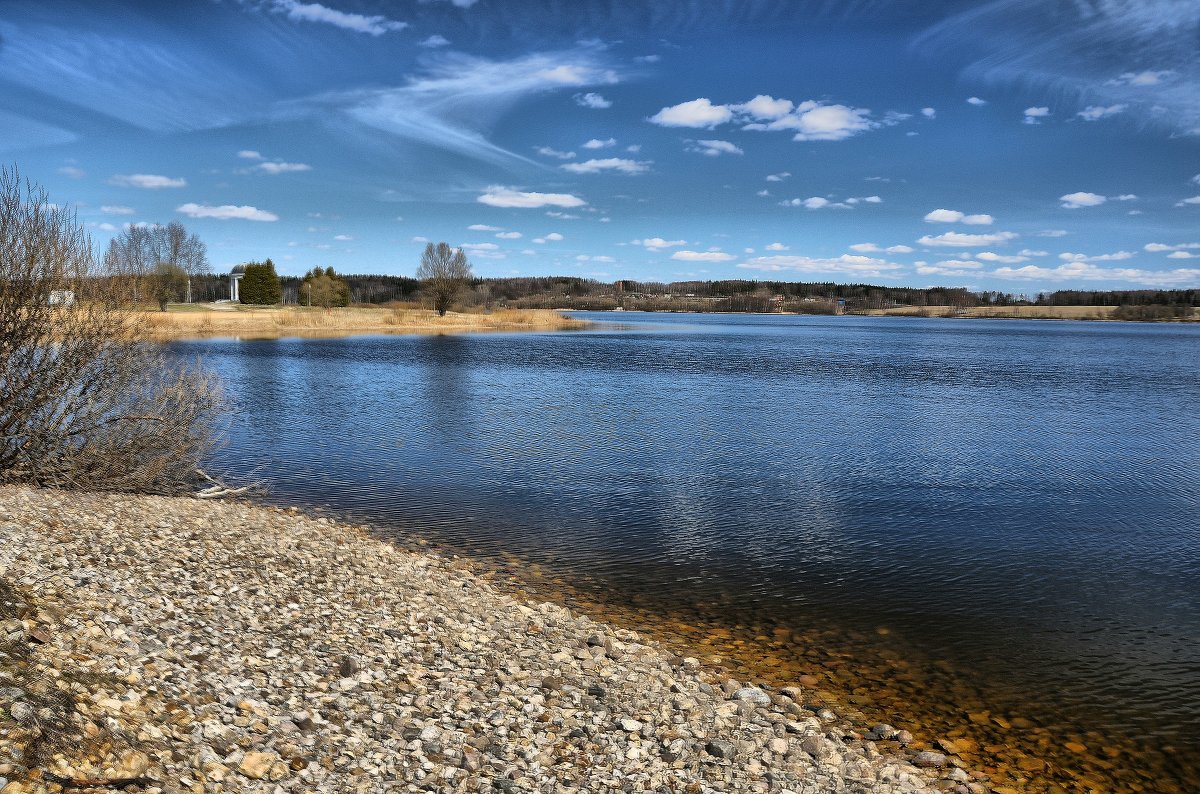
[
  {"x": 269, "y": 322},
  {"x": 1008, "y": 312}
]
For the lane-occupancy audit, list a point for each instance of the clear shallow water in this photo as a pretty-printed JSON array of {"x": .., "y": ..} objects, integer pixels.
[{"x": 1017, "y": 498}]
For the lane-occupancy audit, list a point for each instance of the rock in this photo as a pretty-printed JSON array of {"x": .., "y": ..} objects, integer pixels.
[
  {"x": 752, "y": 694},
  {"x": 882, "y": 732},
  {"x": 22, "y": 712},
  {"x": 630, "y": 725},
  {"x": 348, "y": 667},
  {"x": 778, "y": 746},
  {"x": 904, "y": 737},
  {"x": 597, "y": 691},
  {"x": 719, "y": 748},
  {"x": 256, "y": 765},
  {"x": 928, "y": 759}
]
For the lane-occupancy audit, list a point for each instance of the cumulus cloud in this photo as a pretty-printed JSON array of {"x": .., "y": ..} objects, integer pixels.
[
  {"x": 1007, "y": 259},
  {"x": 498, "y": 196},
  {"x": 436, "y": 40},
  {"x": 509, "y": 235},
  {"x": 954, "y": 216},
  {"x": 483, "y": 227},
  {"x": 1097, "y": 112},
  {"x": 1193, "y": 200},
  {"x": 479, "y": 246},
  {"x": 929, "y": 113},
  {"x": 1160, "y": 247},
  {"x": 374, "y": 25},
  {"x": 147, "y": 181},
  {"x": 1119, "y": 256},
  {"x": 821, "y": 202},
  {"x": 696, "y": 114},
  {"x": 1052, "y": 233},
  {"x": 113, "y": 209},
  {"x": 899, "y": 249},
  {"x": 766, "y": 107},
  {"x": 658, "y": 243},
  {"x": 592, "y": 100},
  {"x": 226, "y": 212},
  {"x": 702, "y": 256},
  {"x": 1033, "y": 114},
  {"x": 861, "y": 266},
  {"x": 546, "y": 151},
  {"x": 1085, "y": 271},
  {"x": 960, "y": 240},
  {"x": 249, "y": 154},
  {"x": 596, "y": 143},
  {"x": 280, "y": 167},
  {"x": 343, "y": 237},
  {"x": 1073, "y": 201},
  {"x": 776, "y": 247},
  {"x": 554, "y": 236},
  {"x": 618, "y": 164},
  {"x": 782, "y": 175},
  {"x": 714, "y": 148},
  {"x": 976, "y": 101}
]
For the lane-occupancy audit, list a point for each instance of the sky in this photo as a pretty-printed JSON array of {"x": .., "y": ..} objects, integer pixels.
[{"x": 1013, "y": 145}]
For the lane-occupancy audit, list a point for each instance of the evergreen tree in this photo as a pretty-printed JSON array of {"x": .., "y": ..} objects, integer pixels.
[{"x": 260, "y": 286}]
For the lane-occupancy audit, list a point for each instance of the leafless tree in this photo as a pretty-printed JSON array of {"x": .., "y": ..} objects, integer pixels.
[
  {"x": 443, "y": 272},
  {"x": 156, "y": 262},
  {"x": 85, "y": 400}
]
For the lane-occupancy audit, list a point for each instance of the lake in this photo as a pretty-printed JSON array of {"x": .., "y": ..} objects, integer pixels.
[{"x": 999, "y": 512}]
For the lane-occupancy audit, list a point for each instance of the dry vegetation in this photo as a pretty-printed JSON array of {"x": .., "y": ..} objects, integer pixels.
[
  {"x": 1008, "y": 312},
  {"x": 265, "y": 322}
]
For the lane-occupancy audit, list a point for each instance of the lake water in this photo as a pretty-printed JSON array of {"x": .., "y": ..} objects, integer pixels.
[{"x": 1014, "y": 503}]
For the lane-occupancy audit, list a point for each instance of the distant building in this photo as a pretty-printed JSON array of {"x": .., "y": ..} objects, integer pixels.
[
  {"x": 236, "y": 275},
  {"x": 62, "y": 297}
]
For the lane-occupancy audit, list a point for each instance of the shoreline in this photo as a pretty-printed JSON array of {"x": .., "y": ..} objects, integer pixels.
[
  {"x": 207, "y": 321},
  {"x": 242, "y": 645},
  {"x": 1066, "y": 313}
]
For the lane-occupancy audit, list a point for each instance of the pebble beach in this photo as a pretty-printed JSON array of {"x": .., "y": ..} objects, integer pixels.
[{"x": 174, "y": 645}]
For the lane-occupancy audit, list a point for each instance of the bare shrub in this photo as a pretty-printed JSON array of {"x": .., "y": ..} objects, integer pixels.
[{"x": 86, "y": 400}]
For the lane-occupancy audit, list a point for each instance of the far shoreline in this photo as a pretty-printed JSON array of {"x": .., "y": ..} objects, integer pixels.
[{"x": 1058, "y": 313}]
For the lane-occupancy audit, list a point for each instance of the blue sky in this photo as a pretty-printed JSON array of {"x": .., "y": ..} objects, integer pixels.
[{"x": 1018, "y": 145}]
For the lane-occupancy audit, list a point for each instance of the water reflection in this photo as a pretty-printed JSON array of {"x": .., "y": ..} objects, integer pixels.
[{"x": 998, "y": 494}]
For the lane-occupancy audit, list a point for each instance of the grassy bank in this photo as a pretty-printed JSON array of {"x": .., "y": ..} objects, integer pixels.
[
  {"x": 1008, "y": 312},
  {"x": 205, "y": 320}
]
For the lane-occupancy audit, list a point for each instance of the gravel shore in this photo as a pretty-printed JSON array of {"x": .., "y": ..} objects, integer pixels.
[{"x": 174, "y": 645}]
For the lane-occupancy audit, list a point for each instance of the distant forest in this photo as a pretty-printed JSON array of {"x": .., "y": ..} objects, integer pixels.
[{"x": 570, "y": 292}]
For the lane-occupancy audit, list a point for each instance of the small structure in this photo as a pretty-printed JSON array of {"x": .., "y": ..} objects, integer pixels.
[
  {"x": 62, "y": 297},
  {"x": 236, "y": 275}
]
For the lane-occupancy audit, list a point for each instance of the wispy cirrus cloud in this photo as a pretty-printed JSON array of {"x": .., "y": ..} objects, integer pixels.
[{"x": 374, "y": 25}]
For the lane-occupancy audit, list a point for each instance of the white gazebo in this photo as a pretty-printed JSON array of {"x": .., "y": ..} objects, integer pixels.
[{"x": 235, "y": 276}]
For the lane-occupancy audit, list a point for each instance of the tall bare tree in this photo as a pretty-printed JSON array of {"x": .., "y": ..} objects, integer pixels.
[
  {"x": 85, "y": 400},
  {"x": 157, "y": 262},
  {"x": 444, "y": 271}
]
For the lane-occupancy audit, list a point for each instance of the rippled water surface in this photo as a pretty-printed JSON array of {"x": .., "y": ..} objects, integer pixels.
[{"x": 1018, "y": 499}]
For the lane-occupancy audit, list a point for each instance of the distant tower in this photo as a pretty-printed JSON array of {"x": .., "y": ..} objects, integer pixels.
[{"x": 235, "y": 276}]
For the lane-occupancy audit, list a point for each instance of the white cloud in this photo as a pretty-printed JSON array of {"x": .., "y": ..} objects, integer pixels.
[
  {"x": 510, "y": 235},
  {"x": 991, "y": 256},
  {"x": 374, "y": 25},
  {"x": 546, "y": 151},
  {"x": 866, "y": 248},
  {"x": 846, "y": 263},
  {"x": 72, "y": 172},
  {"x": 1125, "y": 197},
  {"x": 479, "y": 246},
  {"x": 812, "y": 202},
  {"x": 763, "y": 192},
  {"x": 483, "y": 227},
  {"x": 814, "y": 122},
  {"x": 1052, "y": 233},
  {"x": 1119, "y": 256},
  {"x": 113, "y": 209},
  {"x": 1187, "y": 201},
  {"x": 697, "y": 113},
  {"x": 498, "y": 196},
  {"x": 436, "y": 40},
  {"x": 899, "y": 249},
  {"x": 766, "y": 107},
  {"x": 1084, "y": 271},
  {"x": 596, "y": 258},
  {"x": 1195, "y": 179},
  {"x": 592, "y": 100},
  {"x": 343, "y": 237},
  {"x": 782, "y": 175},
  {"x": 702, "y": 256},
  {"x": 929, "y": 113},
  {"x": 944, "y": 216},
  {"x": 147, "y": 181},
  {"x": 280, "y": 167},
  {"x": 563, "y": 216},
  {"x": 1160, "y": 247},
  {"x": 776, "y": 247},
  {"x": 574, "y": 74},
  {"x": 596, "y": 143},
  {"x": 620, "y": 164},
  {"x": 1097, "y": 112},
  {"x": 960, "y": 240},
  {"x": 552, "y": 237},
  {"x": 1074, "y": 201},
  {"x": 1033, "y": 114},
  {"x": 249, "y": 154},
  {"x": 714, "y": 148},
  {"x": 976, "y": 101},
  {"x": 1181, "y": 255},
  {"x": 104, "y": 227},
  {"x": 981, "y": 219},
  {"x": 1029, "y": 252},
  {"x": 658, "y": 243},
  {"x": 226, "y": 212},
  {"x": 1142, "y": 78},
  {"x": 633, "y": 148}
]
